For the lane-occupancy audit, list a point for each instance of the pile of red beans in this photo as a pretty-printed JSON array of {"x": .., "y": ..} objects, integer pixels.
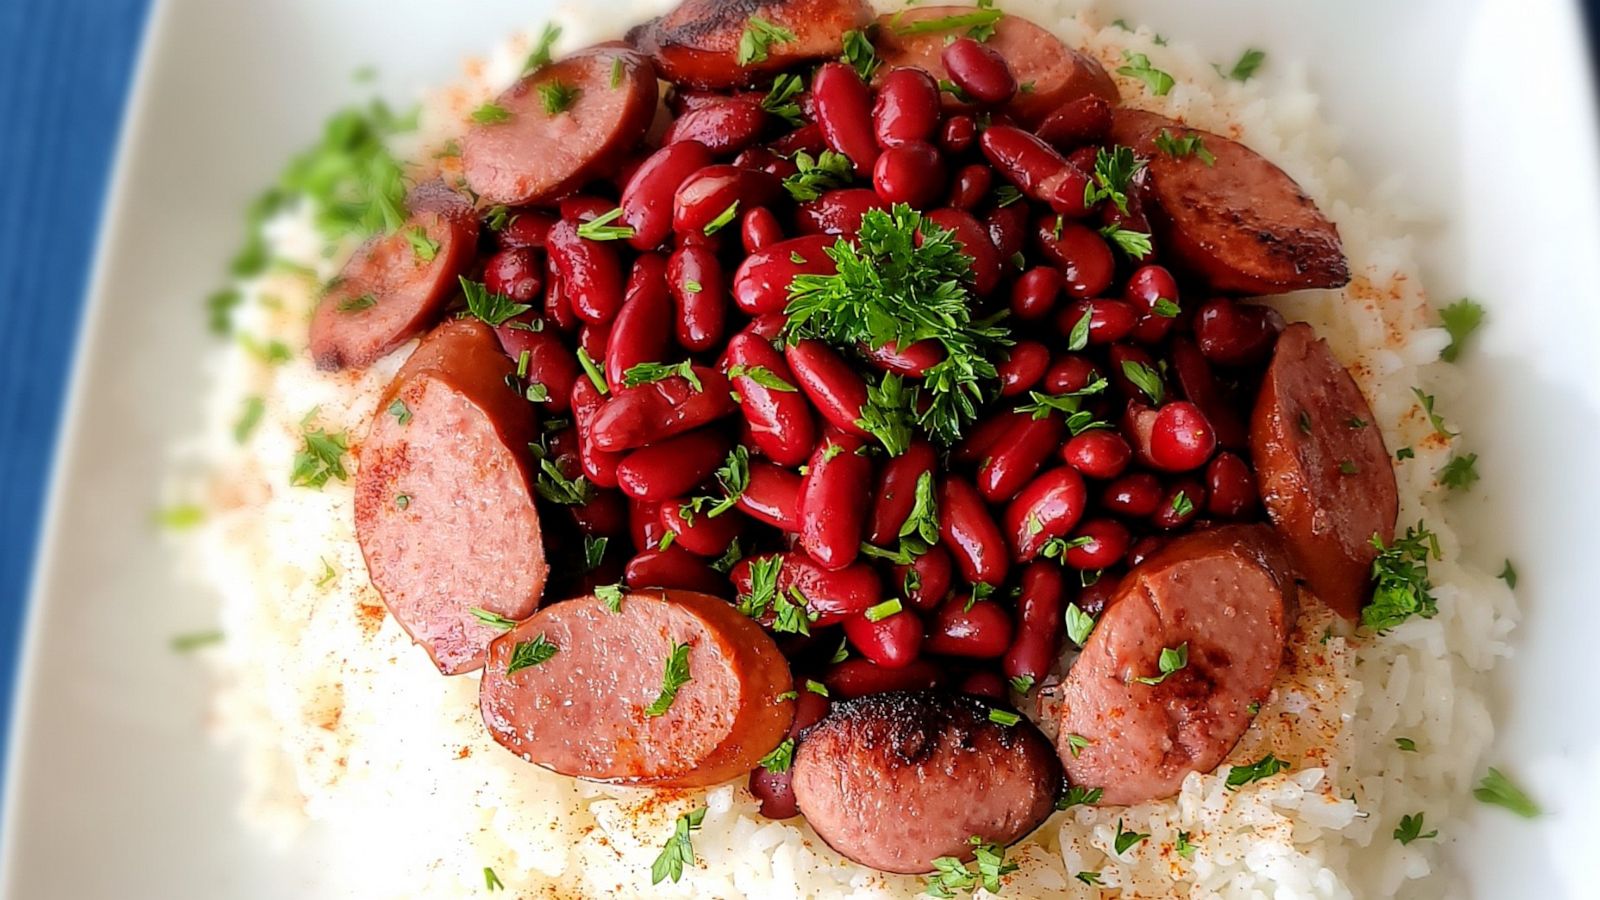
[{"x": 1034, "y": 514}]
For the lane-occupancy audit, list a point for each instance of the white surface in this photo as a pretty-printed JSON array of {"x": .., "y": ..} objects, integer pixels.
[{"x": 1483, "y": 107}]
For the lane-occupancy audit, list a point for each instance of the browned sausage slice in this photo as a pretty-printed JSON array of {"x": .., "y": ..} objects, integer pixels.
[
  {"x": 1057, "y": 72},
  {"x": 698, "y": 43},
  {"x": 1326, "y": 477},
  {"x": 585, "y": 711},
  {"x": 1226, "y": 596},
  {"x": 897, "y": 780},
  {"x": 1240, "y": 223},
  {"x": 444, "y": 509},
  {"x": 394, "y": 286},
  {"x": 566, "y": 124}
]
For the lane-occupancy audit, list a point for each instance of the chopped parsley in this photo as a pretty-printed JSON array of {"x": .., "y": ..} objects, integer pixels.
[
  {"x": 249, "y": 418},
  {"x": 722, "y": 220},
  {"x": 1155, "y": 80},
  {"x": 357, "y": 304},
  {"x": 600, "y": 228},
  {"x": 1126, "y": 840},
  {"x": 594, "y": 551},
  {"x": 888, "y": 413},
  {"x": 1410, "y": 829},
  {"x": 841, "y": 654},
  {"x": 400, "y": 411},
  {"x": 1406, "y": 744},
  {"x": 1004, "y": 717},
  {"x": 951, "y": 874},
  {"x": 1076, "y": 743},
  {"x": 1077, "y": 795},
  {"x": 424, "y": 248},
  {"x": 1112, "y": 178},
  {"x": 1022, "y": 684},
  {"x": 194, "y": 640},
  {"x": 494, "y": 309},
  {"x": 491, "y": 881},
  {"x": 1460, "y": 472},
  {"x": 893, "y": 289},
  {"x": 1184, "y": 846},
  {"x": 1079, "y": 624},
  {"x": 859, "y": 53},
  {"x": 1190, "y": 144},
  {"x": 1460, "y": 319},
  {"x": 1265, "y": 767},
  {"x": 780, "y": 759},
  {"x": 554, "y": 486},
  {"x": 527, "y": 654},
  {"x": 679, "y": 849},
  {"x": 320, "y": 458},
  {"x": 558, "y": 96},
  {"x": 1509, "y": 575},
  {"x": 763, "y": 376},
  {"x": 758, "y": 37},
  {"x": 1145, "y": 379},
  {"x": 977, "y": 19},
  {"x": 1497, "y": 790},
  {"x": 611, "y": 595},
  {"x": 1090, "y": 878},
  {"x": 1182, "y": 505},
  {"x": 814, "y": 177},
  {"x": 493, "y": 619},
  {"x": 1434, "y": 419},
  {"x": 1078, "y": 337},
  {"x": 540, "y": 55},
  {"x": 881, "y": 611},
  {"x": 780, "y": 98},
  {"x": 816, "y": 687},
  {"x": 1135, "y": 244},
  {"x": 596, "y": 377},
  {"x": 650, "y": 373},
  {"x": 763, "y": 587},
  {"x": 1402, "y": 588},
  {"x": 1172, "y": 659},
  {"x": 1247, "y": 65},
  {"x": 675, "y": 677},
  {"x": 491, "y": 113}
]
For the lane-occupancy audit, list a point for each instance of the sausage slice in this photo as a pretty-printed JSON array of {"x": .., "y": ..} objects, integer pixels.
[
  {"x": 444, "y": 506},
  {"x": 583, "y": 711},
  {"x": 1057, "y": 72},
  {"x": 1326, "y": 478},
  {"x": 1240, "y": 223},
  {"x": 896, "y": 780},
  {"x": 566, "y": 124},
  {"x": 697, "y": 44},
  {"x": 394, "y": 286},
  {"x": 1226, "y": 596}
]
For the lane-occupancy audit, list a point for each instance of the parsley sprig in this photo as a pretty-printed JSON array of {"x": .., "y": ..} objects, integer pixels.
[
  {"x": 679, "y": 849},
  {"x": 1402, "y": 588}
]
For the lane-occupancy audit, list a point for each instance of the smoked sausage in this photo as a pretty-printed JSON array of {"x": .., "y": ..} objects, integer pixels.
[{"x": 712, "y": 43}]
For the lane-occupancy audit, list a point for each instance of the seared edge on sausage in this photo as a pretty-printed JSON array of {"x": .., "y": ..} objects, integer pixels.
[
  {"x": 896, "y": 780},
  {"x": 697, "y": 44},
  {"x": 538, "y": 152},
  {"x": 1057, "y": 73},
  {"x": 1226, "y": 596},
  {"x": 444, "y": 502},
  {"x": 1326, "y": 478},
  {"x": 583, "y": 713},
  {"x": 1238, "y": 222},
  {"x": 394, "y": 286}
]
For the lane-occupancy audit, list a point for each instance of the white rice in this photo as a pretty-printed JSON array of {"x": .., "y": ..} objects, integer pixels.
[{"x": 343, "y": 724}]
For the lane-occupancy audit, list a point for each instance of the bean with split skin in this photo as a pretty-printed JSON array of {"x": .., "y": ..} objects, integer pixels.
[
  {"x": 970, "y": 532},
  {"x": 642, "y": 331},
  {"x": 844, "y": 110},
  {"x": 782, "y": 426},
  {"x": 907, "y": 108},
  {"x": 1017, "y": 456},
  {"x": 671, "y": 468},
  {"x": 1044, "y": 510},
  {"x": 830, "y": 383},
  {"x": 892, "y": 642},
  {"x": 896, "y": 493},
  {"x": 982, "y": 631},
  {"x": 979, "y": 71},
  {"x": 647, "y": 201},
  {"x": 1041, "y": 606},
  {"x": 772, "y": 496},
  {"x": 832, "y": 514},
  {"x": 699, "y": 295},
  {"x": 591, "y": 273}
]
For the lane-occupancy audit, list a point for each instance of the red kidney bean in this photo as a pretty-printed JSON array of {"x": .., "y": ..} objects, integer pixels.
[
  {"x": 1084, "y": 120},
  {"x": 1034, "y": 293},
  {"x": 831, "y": 597},
  {"x": 1135, "y": 495},
  {"x": 1069, "y": 374},
  {"x": 674, "y": 569},
  {"x": 641, "y": 332},
  {"x": 1143, "y": 549},
  {"x": 1133, "y": 218},
  {"x": 644, "y": 524},
  {"x": 763, "y": 160},
  {"x": 971, "y": 185},
  {"x": 591, "y": 272},
  {"x": 767, "y": 326},
  {"x": 978, "y": 70},
  {"x": 1041, "y": 608},
  {"x": 969, "y": 532},
  {"x": 582, "y": 208},
  {"x": 1138, "y": 424},
  {"x": 557, "y": 308},
  {"x": 958, "y": 133},
  {"x": 1109, "y": 320},
  {"x": 637, "y": 416},
  {"x": 759, "y": 229},
  {"x": 1098, "y": 453},
  {"x": 1107, "y": 541},
  {"x": 550, "y": 363},
  {"x": 914, "y": 360},
  {"x": 672, "y": 467},
  {"x": 699, "y": 295},
  {"x": 892, "y": 642},
  {"x": 594, "y": 338},
  {"x": 1024, "y": 368},
  {"x": 516, "y": 272},
  {"x": 1036, "y": 169},
  {"x": 907, "y": 108},
  {"x": 1149, "y": 284},
  {"x": 981, "y": 632},
  {"x": 1181, "y": 439},
  {"x": 1008, "y": 230},
  {"x": 525, "y": 228},
  {"x": 1045, "y": 509},
  {"x": 912, "y": 173},
  {"x": 1080, "y": 253},
  {"x": 1181, "y": 504},
  {"x": 781, "y": 424},
  {"x": 773, "y": 788},
  {"x": 838, "y": 212},
  {"x": 761, "y": 285},
  {"x": 709, "y": 194},
  {"x": 704, "y": 536},
  {"x": 832, "y": 514},
  {"x": 648, "y": 198},
  {"x": 599, "y": 466},
  {"x": 831, "y": 384},
  {"x": 844, "y": 110},
  {"x": 772, "y": 496},
  {"x": 984, "y": 684},
  {"x": 1017, "y": 456},
  {"x": 1094, "y": 598},
  {"x": 927, "y": 580},
  {"x": 806, "y": 139},
  {"x": 974, "y": 241},
  {"x": 604, "y": 514},
  {"x": 984, "y": 436},
  {"x": 860, "y": 677},
  {"x": 896, "y": 495},
  {"x": 1084, "y": 158},
  {"x": 724, "y": 126},
  {"x": 1230, "y": 487},
  {"x": 1199, "y": 386},
  {"x": 1235, "y": 334}
]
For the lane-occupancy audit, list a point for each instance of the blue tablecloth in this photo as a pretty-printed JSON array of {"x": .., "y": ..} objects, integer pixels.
[{"x": 65, "y": 69}]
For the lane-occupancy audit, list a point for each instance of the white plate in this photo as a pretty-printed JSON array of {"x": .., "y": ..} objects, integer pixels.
[{"x": 1484, "y": 107}]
